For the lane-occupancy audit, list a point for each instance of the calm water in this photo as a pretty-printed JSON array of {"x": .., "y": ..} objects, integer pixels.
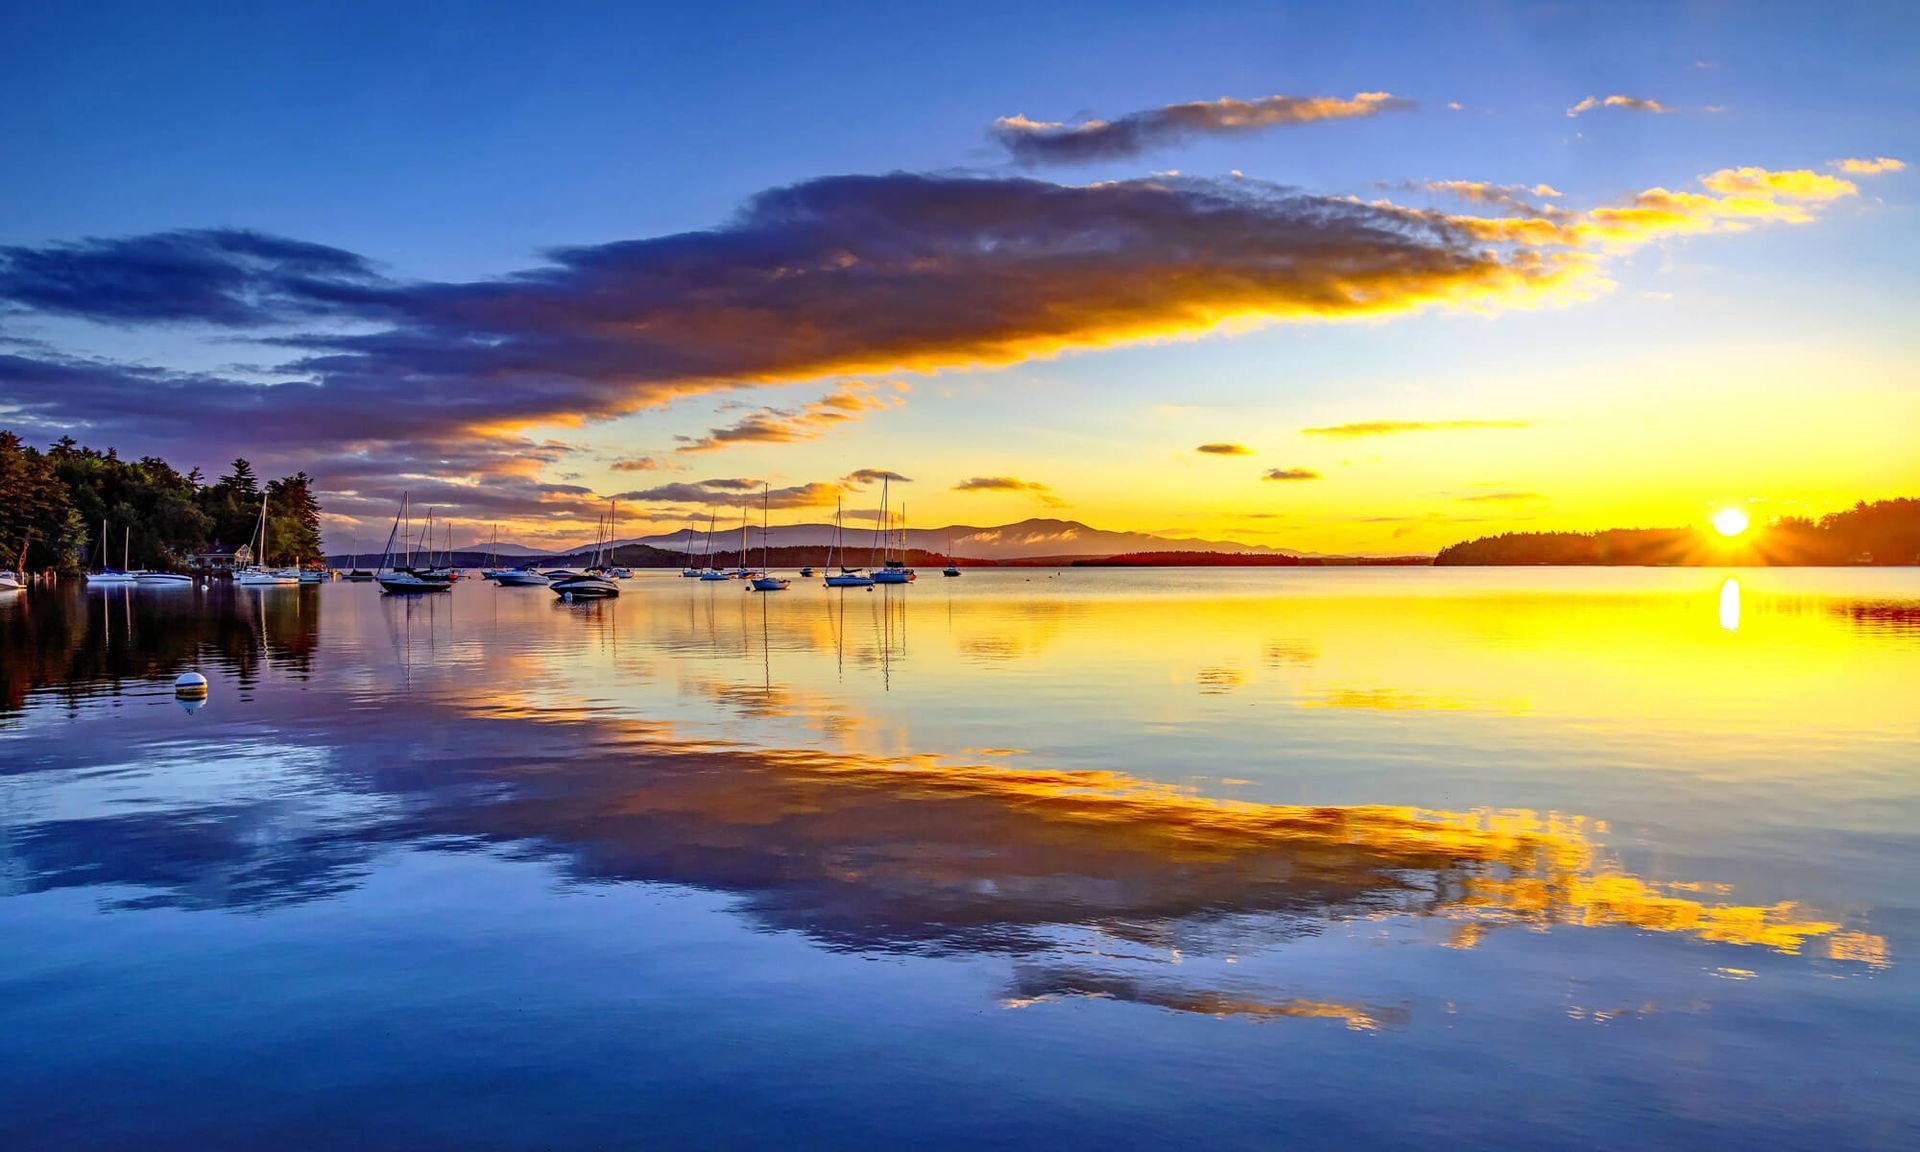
[{"x": 1360, "y": 858}]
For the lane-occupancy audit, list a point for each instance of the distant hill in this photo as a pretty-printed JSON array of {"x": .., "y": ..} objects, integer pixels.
[
  {"x": 1025, "y": 540},
  {"x": 1240, "y": 560}
]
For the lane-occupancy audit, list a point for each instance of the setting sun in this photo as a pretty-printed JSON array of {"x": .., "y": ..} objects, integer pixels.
[{"x": 1730, "y": 521}]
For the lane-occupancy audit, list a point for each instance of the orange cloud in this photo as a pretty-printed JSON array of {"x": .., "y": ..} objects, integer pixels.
[
  {"x": 808, "y": 422},
  {"x": 1871, "y": 167},
  {"x": 1392, "y": 427},
  {"x": 1225, "y": 449},
  {"x": 635, "y": 464}
]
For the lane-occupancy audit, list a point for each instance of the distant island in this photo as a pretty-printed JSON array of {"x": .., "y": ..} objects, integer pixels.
[{"x": 1884, "y": 532}]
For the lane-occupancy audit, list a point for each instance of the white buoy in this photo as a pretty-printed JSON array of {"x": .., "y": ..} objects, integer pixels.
[{"x": 190, "y": 684}]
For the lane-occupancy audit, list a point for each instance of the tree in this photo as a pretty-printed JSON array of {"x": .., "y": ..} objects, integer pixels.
[
  {"x": 33, "y": 497},
  {"x": 293, "y": 520}
]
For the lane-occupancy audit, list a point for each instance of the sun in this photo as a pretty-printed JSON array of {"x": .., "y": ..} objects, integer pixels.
[{"x": 1730, "y": 521}]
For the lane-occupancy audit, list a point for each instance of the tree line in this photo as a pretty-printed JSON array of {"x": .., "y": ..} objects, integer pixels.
[
  {"x": 1881, "y": 532},
  {"x": 55, "y": 502}
]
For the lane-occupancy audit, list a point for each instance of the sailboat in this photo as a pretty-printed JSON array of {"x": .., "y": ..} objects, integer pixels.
[
  {"x": 763, "y": 580},
  {"x": 617, "y": 571},
  {"x": 405, "y": 579},
  {"x": 594, "y": 584},
  {"x": 15, "y": 579},
  {"x": 891, "y": 571},
  {"x": 740, "y": 571},
  {"x": 709, "y": 572},
  {"x": 950, "y": 569},
  {"x": 846, "y": 577},
  {"x": 259, "y": 575},
  {"x": 357, "y": 574},
  {"x": 113, "y": 576},
  {"x": 690, "y": 570},
  {"x": 492, "y": 570}
]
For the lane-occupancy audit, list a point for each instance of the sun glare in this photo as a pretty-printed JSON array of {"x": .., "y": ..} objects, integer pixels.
[{"x": 1730, "y": 521}]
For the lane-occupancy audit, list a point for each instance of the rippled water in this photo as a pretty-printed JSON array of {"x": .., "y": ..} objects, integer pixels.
[{"x": 1368, "y": 858}]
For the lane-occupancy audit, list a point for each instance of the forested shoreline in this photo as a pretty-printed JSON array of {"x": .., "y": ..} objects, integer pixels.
[
  {"x": 157, "y": 516},
  {"x": 1884, "y": 532}
]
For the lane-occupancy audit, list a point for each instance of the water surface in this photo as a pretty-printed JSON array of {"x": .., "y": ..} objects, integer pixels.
[{"x": 1087, "y": 859}]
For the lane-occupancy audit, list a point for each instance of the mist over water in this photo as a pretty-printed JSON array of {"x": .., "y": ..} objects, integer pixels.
[{"x": 1377, "y": 857}]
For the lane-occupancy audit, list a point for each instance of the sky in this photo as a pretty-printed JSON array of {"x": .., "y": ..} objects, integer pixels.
[{"x": 1409, "y": 274}]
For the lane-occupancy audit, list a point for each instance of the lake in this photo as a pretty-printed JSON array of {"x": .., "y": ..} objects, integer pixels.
[{"x": 1398, "y": 858}]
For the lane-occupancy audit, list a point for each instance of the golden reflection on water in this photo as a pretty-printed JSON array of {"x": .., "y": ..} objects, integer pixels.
[{"x": 1042, "y": 844}]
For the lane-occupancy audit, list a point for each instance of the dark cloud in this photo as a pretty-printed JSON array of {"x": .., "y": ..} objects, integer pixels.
[
  {"x": 999, "y": 484},
  {"x": 1049, "y": 142},
  {"x": 861, "y": 477},
  {"x": 1291, "y": 474},
  {"x": 1225, "y": 449},
  {"x": 385, "y": 379},
  {"x": 211, "y": 276}
]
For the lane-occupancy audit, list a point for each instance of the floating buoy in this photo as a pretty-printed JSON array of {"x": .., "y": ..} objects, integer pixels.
[{"x": 190, "y": 684}]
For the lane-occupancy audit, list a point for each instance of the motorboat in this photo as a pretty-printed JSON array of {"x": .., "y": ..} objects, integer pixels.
[
  {"x": 11, "y": 582},
  {"x": 585, "y": 587},
  {"x": 521, "y": 578},
  {"x": 357, "y": 576},
  {"x": 807, "y": 571},
  {"x": 163, "y": 580},
  {"x": 315, "y": 575}
]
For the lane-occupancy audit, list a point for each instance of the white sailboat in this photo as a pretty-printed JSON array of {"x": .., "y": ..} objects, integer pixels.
[
  {"x": 690, "y": 571},
  {"x": 14, "y": 579},
  {"x": 891, "y": 571},
  {"x": 259, "y": 575},
  {"x": 845, "y": 577},
  {"x": 113, "y": 577},
  {"x": 709, "y": 572},
  {"x": 763, "y": 580}
]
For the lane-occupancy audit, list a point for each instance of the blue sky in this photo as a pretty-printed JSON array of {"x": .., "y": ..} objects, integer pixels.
[{"x": 458, "y": 142}]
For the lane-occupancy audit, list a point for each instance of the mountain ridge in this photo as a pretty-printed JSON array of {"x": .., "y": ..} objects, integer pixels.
[{"x": 1020, "y": 540}]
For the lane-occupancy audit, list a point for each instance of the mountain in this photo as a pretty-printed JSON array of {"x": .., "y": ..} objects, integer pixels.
[{"x": 1026, "y": 540}]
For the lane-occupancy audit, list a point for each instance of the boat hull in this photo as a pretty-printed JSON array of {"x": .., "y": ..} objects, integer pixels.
[
  {"x": 769, "y": 584},
  {"x": 408, "y": 583},
  {"x": 522, "y": 579},
  {"x": 849, "y": 581},
  {"x": 586, "y": 588},
  {"x": 163, "y": 580}
]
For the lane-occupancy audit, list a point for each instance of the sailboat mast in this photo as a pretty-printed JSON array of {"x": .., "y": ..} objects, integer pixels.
[
  {"x": 765, "y": 494},
  {"x": 879, "y": 523},
  {"x": 833, "y": 542}
]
